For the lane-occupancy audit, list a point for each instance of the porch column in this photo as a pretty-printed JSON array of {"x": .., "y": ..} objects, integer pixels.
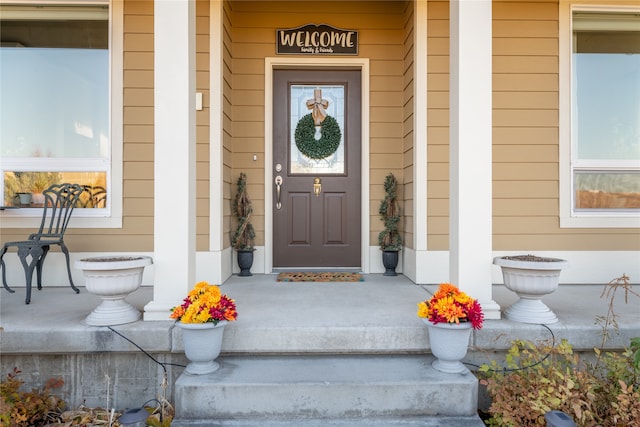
[
  {"x": 174, "y": 155},
  {"x": 470, "y": 151},
  {"x": 219, "y": 260}
]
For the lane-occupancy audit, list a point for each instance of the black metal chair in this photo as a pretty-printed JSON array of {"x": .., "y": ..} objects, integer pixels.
[{"x": 60, "y": 200}]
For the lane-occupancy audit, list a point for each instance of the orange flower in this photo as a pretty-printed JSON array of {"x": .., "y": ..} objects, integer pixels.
[
  {"x": 450, "y": 305},
  {"x": 446, "y": 289},
  {"x": 177, "y": 312},
  {"x": 205, "y": 304}
]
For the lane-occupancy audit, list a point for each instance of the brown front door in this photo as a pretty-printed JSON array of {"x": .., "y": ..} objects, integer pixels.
[{"x": 316, "y": 169}]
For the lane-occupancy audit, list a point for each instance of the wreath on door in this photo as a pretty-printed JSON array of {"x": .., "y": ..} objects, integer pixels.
[{"x": 313, "y": 148}]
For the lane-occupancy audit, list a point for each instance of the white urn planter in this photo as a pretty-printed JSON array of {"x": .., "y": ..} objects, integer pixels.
[
  {"x": 202, "y": 346},
  {"x": 530, "y": 277},
  {"x": 113, "y": 278},
  {"x": 449, "y": 343}
]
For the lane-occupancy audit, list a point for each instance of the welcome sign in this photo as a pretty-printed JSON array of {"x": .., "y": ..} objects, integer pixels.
[{"x": 314, "y": 39}]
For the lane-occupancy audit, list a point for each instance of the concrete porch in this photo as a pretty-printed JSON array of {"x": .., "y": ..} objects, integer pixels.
[{"x": 375, "y": 318}]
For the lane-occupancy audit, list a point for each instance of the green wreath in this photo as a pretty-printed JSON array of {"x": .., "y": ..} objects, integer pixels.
[{"x": 313, "y": 148}]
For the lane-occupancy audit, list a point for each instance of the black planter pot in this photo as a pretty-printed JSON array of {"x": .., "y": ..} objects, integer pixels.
[
  {"x": 390, "y": 262},
  {"x": 245, "y": 261}
]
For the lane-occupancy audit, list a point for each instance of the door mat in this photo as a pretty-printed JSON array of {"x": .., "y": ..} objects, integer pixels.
[{"x": 321, "y": 276}]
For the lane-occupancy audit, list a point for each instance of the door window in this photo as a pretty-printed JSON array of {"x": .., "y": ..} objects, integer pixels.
[{"x": 317, "y": 149}]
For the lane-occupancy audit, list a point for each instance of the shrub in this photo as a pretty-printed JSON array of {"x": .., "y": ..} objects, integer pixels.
[
  {"x": 537, "y": 379},
  {"x": 542, "y": 377},
  {"x": 29, "y": 409}
]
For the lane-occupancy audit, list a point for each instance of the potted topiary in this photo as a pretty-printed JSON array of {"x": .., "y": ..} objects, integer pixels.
[
  {"x": 390, "y": 239},
  {"x": 243, "y": 239}
]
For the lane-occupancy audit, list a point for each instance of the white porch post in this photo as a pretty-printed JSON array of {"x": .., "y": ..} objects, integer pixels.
[
  {"x": 174, "y": 155},
  {"x": 470, "y": 151},
  {"x": 218, "y": 258}
]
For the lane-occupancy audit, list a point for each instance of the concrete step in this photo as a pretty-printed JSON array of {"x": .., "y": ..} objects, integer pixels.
[
  {"x": 344, "y": 422},
  {"x": 339, "y": 388}
]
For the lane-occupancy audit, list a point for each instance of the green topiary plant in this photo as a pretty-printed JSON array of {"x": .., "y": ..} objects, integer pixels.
[
  {"x": 390, "y": 238},
  {"x": 244, "y": 236}
]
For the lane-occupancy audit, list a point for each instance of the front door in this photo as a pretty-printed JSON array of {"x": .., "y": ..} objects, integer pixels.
[{"x": 316, "y": 169}]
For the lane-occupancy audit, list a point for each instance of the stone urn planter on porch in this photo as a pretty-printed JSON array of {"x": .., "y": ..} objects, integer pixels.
[
  {"x": 113, "y": 278},
  {"x": 450, "y": 315},
  {"x": 202, "y": 317},
  {"x": 202, "y": 345},
  {"x": 449, "y": 343},
  {"x": 530, "y": 277}
]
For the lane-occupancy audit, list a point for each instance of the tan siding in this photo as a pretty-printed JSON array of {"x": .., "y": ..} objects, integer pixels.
[
  {"x": 525, "y": 82},
  {"x": 227, "y": 93},
  {"x": 252, "y": 37},
  {"x": 525, "y": 119},
  {"x": 515, "y": 190},
  {"x": 437, "y": 124},
  {"x": 525, "y": 171},
  {"x": 138, "y": 60},
  {"x": 525, "y": 134},
  {"x": 137, "y": 231},
  {"x": 525, "y": 46},
  {"x": 138, "y": 133},
  {"x": 525, "y": 85},
  {"x": 138, "y": 115},
  {"x": 138, "y": 79},
  {"x": 514, "y": 100},
  {"x": 134, "y": 42},
  {"x": 138, "y": 152},
  {"x": 575, "y": 240},
  {"x": 524, "y": 207},
  {"x": 138, "y": 97},
  {"x": 540, "y": 28},
  {"x": 520, "y": 64},
  {"x": 138, "y": 188},
  {"x": 112, "y": 242}
]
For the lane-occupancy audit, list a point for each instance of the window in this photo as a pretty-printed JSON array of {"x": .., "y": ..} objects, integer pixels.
[
  {"x": 600, "y": 132},
  {"x": 57, "y": 123}
]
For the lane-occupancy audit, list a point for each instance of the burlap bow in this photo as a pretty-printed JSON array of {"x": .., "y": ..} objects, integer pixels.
[{"x": 318, "y": 107}]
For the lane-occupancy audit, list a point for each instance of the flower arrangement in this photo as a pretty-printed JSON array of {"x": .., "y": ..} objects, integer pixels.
[
  {"x": 450, "y": 305},
  {"x": 205, "y": 304}
]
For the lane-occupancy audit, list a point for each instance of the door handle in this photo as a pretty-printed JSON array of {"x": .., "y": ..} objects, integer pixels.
[
  {"x": 278, "y": 182},
  {"x": 317, "y": 186}
]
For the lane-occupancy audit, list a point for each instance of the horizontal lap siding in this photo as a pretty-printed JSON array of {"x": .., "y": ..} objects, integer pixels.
[
  {"x": 525, "y": 126},
  {"x": 252, "y": 34},
  {"x": 227, "y": 121},
  {"x": 203, "y": 190},
  {"x": 437, "y": 125},
  {"x": 407, "y": 178},
  {"x": 526, "y": 136},
  {"x": 136, "y": 233}
]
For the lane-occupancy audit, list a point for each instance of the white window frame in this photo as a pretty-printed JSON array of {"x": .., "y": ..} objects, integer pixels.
[
  {"x": 568, "y": 217},
  {"x": 87, "y": 218}
]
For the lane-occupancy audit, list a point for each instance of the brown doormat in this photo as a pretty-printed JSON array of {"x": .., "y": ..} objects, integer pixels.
[{"x": 322, "y": 276}]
